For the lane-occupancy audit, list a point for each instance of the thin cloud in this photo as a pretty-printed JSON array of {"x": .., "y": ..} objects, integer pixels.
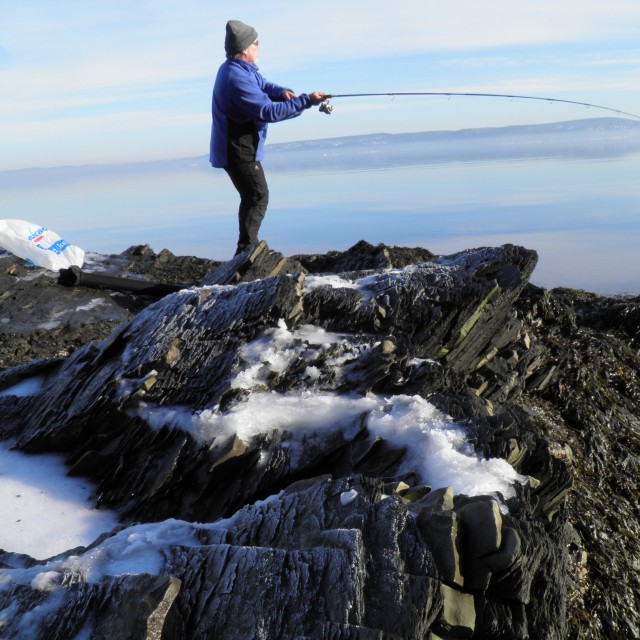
[{"x": 101, "y": 65}]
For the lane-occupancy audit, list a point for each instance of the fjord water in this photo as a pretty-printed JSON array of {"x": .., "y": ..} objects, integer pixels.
[{"x": 571, "y": 193}]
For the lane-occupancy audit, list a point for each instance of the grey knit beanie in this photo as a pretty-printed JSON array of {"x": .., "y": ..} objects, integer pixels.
[{"x": 239, "y": 37}]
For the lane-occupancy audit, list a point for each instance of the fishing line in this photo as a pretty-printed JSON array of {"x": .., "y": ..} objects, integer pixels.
[{"x": 325, "y": 107}]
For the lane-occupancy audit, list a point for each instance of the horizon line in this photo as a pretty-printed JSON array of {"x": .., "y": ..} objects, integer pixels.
[{"x": 630, "y": 124}]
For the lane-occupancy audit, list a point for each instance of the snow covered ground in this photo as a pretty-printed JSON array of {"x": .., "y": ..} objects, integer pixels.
[{"x": 43, "y": 511}]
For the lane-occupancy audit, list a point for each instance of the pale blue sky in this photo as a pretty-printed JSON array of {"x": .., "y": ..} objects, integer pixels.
[{"x": 130, "y": 80}]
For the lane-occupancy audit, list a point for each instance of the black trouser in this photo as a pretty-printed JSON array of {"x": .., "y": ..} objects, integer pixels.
[{"x": 249, "y": 180}]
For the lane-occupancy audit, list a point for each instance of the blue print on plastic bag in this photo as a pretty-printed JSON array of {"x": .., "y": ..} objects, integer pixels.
[
  {"x": 36, "y": 236},
  {"x": 57, "y": 247}
]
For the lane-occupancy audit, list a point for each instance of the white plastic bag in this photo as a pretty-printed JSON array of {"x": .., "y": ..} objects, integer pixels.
[{"x": 39, "y": 245}]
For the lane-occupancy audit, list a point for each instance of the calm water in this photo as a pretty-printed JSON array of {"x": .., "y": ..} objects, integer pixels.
[{"x": 580, "y": 211}]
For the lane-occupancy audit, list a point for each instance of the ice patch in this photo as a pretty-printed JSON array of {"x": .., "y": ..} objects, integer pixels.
[
  {"x": 28, "y": 387},
  {"x": 436, "y": 447},
  {"x": 346, "y": 497},
  {"x": 329, "y": 280},
  {"x": 46, "y": 581},
  {"x": 302, "y": 414},
  {"x": 312, "y": 373},
  {"x": 43, "y": 511},
  {"x": 92, "y": 304},
  {"x": 59, "y": 319},
  {"x": 134, "y": 550},
  {"x": 277, "y": 349}
]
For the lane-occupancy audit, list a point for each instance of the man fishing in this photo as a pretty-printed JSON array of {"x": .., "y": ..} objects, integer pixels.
[{"x": 242, "y": 106}]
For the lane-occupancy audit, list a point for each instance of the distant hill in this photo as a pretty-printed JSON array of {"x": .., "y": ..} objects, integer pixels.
[
  {"x": 586, "y": 138},
  {"x": 577, "y": 139},
  {"x": 588, "y": 128}
]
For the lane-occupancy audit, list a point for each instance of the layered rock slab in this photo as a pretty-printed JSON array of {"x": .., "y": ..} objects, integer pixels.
[
  {"x": 185, "y": 351},
  {"x": 324, "y": 559}
]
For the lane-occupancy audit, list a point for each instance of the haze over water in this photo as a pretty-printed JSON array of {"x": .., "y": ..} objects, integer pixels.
[{"x": 570, "y": 191}]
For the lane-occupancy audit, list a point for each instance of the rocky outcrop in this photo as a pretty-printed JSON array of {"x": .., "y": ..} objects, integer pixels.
[
  {"x": 587, "y": 403},
  {"x": 324, "y": 559},
  {"x": 323, "y": 523}
]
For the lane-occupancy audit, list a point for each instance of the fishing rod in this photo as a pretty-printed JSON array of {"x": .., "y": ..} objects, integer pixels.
[{"x": 325, "y": 107}]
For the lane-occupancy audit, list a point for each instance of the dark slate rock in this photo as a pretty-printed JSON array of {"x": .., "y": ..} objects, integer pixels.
[
  {"x": 255, "y": 264},
  {"x": 324, "y": 557},
  {"x": 192, "y": 335},
  {"x": 586, "y": 399},
  {"x": 545, "y": 380},
  {"x": 304, "y": 564},
  {"x": 447, "y": 310},
  {"x": 363, "y": 256}
]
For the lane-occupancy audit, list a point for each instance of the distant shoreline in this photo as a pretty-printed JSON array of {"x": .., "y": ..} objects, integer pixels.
[{"x": 613, "y": 134}]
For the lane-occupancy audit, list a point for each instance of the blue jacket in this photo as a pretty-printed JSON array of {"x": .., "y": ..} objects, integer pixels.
[{"x": 243, "y": 104}]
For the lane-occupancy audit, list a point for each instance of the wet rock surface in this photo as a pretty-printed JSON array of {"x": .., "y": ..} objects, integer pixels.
[{"x": 312, "y": 527}]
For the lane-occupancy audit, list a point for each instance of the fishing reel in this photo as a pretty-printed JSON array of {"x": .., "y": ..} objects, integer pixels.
[{"x": 325, "y": 107}]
